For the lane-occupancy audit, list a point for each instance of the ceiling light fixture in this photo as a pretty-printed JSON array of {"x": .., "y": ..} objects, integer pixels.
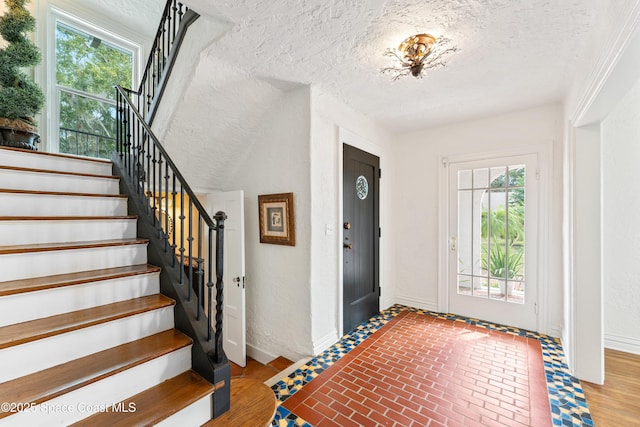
[{"x": 417, "y": 53}]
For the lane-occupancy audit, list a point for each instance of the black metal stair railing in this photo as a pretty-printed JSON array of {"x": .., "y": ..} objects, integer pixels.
[
  {"x": 174, "y": 23},
  {"x": 80, "y": 143},
  {"x": 184, "y": 240},
  {"x": 189, "y": 240},
  {"x": 160, "y": 185}
]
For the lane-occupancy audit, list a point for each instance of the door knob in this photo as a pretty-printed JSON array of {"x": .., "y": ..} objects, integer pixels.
[
  {"x": 348, "y": 245},
  {"x": 347, "y": 225}
]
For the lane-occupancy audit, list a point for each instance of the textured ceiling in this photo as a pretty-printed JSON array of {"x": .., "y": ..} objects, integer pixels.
[
  {"x": 141, "y": 16},
  {"x": 513, "y": 54}
]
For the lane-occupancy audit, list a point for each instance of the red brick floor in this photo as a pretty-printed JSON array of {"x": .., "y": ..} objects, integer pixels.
[{"x": 422, "y": 371}]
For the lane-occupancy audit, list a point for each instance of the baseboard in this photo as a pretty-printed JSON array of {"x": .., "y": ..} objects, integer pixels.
[
  {"x": 386, "y": 303},
  {"x": 626, "y": 344},
  {"x": 556, "y": 331},
  {"x": 325, "y": 342},
  {"x": 417, "y": 303},
  {"x": 260, "y": 355}
]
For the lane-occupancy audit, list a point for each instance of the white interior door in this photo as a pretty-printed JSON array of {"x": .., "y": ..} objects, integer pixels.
[
  {"x": 234, "y": 324},
  {"x": 493, "y": 232}
]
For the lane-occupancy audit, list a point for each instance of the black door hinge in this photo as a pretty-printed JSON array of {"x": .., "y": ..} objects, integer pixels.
[
  {"x": 379, "y": 231},
  {"x": 379, "y": 173}
]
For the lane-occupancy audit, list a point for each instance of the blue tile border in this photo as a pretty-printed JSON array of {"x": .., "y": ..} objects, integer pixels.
[{"x": 566, "y": 398}]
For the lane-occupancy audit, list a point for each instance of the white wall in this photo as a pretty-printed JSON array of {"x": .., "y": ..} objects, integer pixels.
[
  {"x": 277, "y": 277},
  {"x": 586, "y": 289},
  {"x": 605, "y": 74},
  {"x": 332, "y": 123},
  {"x": 620, "y": 133},
  {"x": 416, "y": 199}
]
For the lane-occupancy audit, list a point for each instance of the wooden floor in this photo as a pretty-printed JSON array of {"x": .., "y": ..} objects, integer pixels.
[
  {"x": 616, "y": 402},
  {"x": 258, "y": 371},
  {"x": 253, "y": 404}
]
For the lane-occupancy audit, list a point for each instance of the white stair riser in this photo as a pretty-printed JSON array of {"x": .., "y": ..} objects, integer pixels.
[
  {"x": 196, "y": 414},
  {"x": 78, "y": 404},
  {"x": 50, "y": 302},
  {"x": 47, "y": 263},
  {"x": 42, "y": 354},
  {"x": 64, "y": 164},
  {"x": 40, "y": 181},
  {"x": 19, "y": 204},
  {"x": 25, "y": 232}
]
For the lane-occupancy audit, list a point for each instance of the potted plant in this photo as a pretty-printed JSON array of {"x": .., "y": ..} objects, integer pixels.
[{"x": 20, "y": 98}]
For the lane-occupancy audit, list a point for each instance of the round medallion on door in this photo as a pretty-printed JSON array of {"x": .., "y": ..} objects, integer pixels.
[{"x": 362, "y": 187}]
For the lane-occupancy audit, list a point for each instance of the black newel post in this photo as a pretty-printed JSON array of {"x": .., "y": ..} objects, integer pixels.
[{"x": 219, "y": 217}]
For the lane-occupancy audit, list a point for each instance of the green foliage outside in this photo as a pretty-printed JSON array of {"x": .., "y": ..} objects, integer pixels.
[
  {"x": 503, "y": 265},
  {"x": 503, "y": 229},
  {"x": 20, "y": 97},
  {"x": 92, "y": 66}
]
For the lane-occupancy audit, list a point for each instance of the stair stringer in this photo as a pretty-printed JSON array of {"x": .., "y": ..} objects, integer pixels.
[{"x": 185, "y": 311}]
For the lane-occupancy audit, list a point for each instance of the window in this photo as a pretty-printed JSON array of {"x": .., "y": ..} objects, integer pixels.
[
  {"x": 89, "y": 62},
  {"x": 491, "y": 214}
]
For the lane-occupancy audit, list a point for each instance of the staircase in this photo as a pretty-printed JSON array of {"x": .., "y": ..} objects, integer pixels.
[{"x": 85, "y": 336}]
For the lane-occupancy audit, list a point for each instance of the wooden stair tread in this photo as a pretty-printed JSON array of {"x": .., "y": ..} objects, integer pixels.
[
  {"x": 44, "y": 247},
  {"x": 47, "y": 384},
  {"x": 154, "y": 404},
  {"x": 40, "y": 283},
  {"x": 33, "y": 330},
  {"x": 60, "y": 193},
  {"x": 66, "y": 156},
  {"x": 253, "y": 404},
  {"x": 56, "y": 172}
]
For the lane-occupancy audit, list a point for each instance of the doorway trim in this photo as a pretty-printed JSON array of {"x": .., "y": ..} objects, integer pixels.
[
  {"x": 348, "y": 137},
  {"x": 543, "y": 153},
  {"x": 610, "y": 77}
]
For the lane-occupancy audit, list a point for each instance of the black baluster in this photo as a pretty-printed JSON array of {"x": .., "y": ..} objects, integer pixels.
[
  {"x": 210, "y": 284},
  {"x": 181, "y": 232},
  {"x": 190, "y": 240},
  {"x": 147, "y": 178},
  {"x": 166, "y": 207},
  {"x": 159, "y": 211},
  {"x": 127, "y": 143},
  {"x": 118, "y": 120},
  {"x": 175, "y": 24},
  {"x": 200, "y": 260},
  {"x": 173, "y": 245}
]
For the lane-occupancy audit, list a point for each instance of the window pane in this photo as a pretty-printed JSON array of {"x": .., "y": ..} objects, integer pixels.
[
  {"x": 88, "y": 64},
  {"x": 87, "y": 126},
  {"x": 516, "y": 234},
  {"x": 498, "y": 177},
  {"x": 516, "y": 176},
  {"x": 464, "y": 284},
  {"x": 481, "y": 206},
  {"x": 480, "y": 178},
  {"x": 491, "y": 215},
  {"x": 497, "y": 289},
  {"x": 497, "y": 224},
  {"x": 480, "y": 286},
  {"x": 465, "y": 228},
  {"x": 464, "y": 180},
  {"x": 516, "y": 292}
]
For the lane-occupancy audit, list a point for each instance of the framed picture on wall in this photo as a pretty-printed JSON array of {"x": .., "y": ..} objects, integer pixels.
[{"x": 276, "y": 219}]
